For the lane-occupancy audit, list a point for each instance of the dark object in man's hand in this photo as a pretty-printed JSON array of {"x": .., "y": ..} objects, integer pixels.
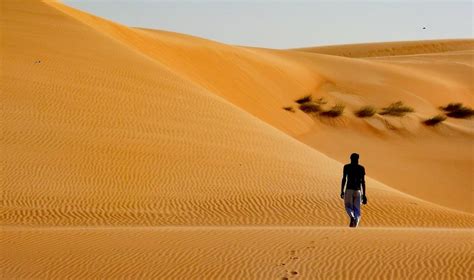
[
  {"x": 342, "y": 195},
  {"x": 364, "y": 199}
]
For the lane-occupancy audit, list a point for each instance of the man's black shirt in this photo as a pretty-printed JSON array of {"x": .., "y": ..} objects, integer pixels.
[{"x": 355, "y": 175}]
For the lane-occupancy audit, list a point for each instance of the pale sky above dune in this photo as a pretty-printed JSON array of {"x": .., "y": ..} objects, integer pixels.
[{"x": 288, "y": 24}]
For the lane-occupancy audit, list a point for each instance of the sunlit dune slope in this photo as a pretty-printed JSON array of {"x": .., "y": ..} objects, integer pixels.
[
  {"x": 96, "y": 133},
  {"x": 393, "y": 48},
  {"x": 257, "y": 82}
]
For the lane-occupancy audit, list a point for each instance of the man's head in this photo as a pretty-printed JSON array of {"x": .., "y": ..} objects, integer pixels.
[{"x": 354, "y": 158}]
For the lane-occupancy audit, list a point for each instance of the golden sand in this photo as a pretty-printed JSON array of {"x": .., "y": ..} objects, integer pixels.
[{"x": 149, "y": 154}]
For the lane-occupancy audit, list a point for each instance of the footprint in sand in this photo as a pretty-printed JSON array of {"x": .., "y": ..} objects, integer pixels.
[{"x": 293, "y": 273}]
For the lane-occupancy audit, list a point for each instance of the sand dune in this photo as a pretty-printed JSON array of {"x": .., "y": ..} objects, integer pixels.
[
  {"x": 263, "y": 81},
  {"x": 123, "y": 146},
  {"x": 130, "y": 149}
]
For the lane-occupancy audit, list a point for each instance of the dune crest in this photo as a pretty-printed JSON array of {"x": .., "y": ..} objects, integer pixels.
[{"x": 384, "y": 49}]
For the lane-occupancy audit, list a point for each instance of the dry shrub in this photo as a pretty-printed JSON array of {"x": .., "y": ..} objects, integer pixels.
[
  {"x": 365, "y": 111},
  {"x": 457, "y": 110},
  {"x": 310, "y": 107},
  {"x": 435, "y": 120},
  {"x": 397, "y": 109},
  {"x": 304, "y": 99}
]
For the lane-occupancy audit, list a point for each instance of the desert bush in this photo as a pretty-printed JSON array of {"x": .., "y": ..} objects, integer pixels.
[
  {"x": 451, "y": 107},
  {"x": 335, "y": 111},
  {"x": 289, "y": 108},
  {"x": 434, "y": 120},
  {"x": 457, "y": 110},
  {"x": 365, "y": 111},
  {"x": 310, "y": 107},
  {"x": 304, "y": 99},
  {"x": 396, "y": 109}
]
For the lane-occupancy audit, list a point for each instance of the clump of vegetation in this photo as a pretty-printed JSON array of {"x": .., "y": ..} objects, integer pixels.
[
  {"x": 457, "y": 110},
  {"x": 397, "y": 109},
  {"x": 304, "y": 99},
  {"x": 365, "y": 111},
  {"x": 289, "y": 109},
  {"x": 335, "y": 111},
  {"x": 310, "y": 107},
  {"x": 435, "y": 120}
]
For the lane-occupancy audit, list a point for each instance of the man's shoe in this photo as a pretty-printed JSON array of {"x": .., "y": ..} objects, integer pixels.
[
  {"x": 356, "y": 222},
  {"x": 352, "y": 224}
]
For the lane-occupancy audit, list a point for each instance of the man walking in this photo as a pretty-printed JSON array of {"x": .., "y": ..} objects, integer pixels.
[{"x": 352, "y": 197}]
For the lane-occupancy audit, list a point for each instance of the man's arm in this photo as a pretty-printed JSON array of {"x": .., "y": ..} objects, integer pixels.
[
  {"x": 363, "y": 186},
  {"x": 343, "y": 183},
  {"x": 363, "y": 181},
  {"x": 364, "y": 197}
]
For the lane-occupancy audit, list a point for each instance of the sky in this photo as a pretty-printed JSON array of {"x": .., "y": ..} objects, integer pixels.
[{"x": 293, "y": 24}]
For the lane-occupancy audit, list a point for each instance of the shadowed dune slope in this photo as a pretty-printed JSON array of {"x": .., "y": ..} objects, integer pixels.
[{"x": 397, "y": 150}]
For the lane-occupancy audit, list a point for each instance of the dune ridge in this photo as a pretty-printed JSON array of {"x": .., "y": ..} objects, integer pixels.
[
  {"x": 400, "y": 48},
  {"x": 110, "y": 134}
]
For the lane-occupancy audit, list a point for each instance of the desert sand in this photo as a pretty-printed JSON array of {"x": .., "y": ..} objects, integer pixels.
[{"x": 139, "y": 153}]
